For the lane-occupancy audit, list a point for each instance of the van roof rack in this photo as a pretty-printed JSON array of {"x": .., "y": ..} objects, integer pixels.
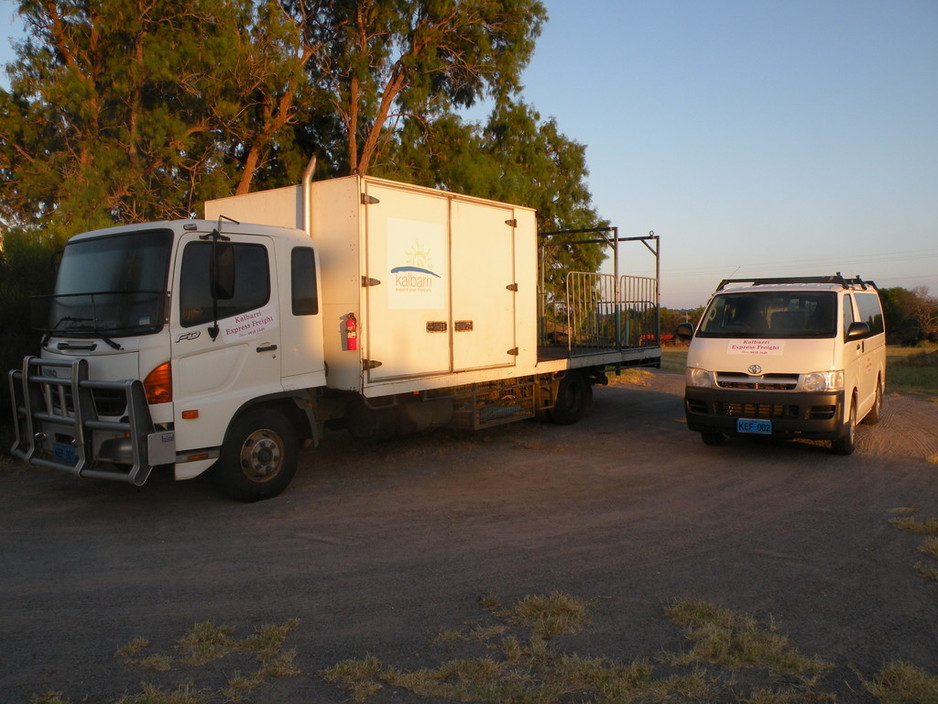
[{"x": 838, "y": 278}]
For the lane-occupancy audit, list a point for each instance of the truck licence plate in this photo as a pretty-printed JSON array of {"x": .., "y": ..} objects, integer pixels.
[
  {"x": 759, "y": 427},
  {"x": 63, "y": 453}
]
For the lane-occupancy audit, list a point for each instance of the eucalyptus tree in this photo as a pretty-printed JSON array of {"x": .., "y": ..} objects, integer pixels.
[
  {"x": 127, "y": 110},
  {"x": 386, "y": 61}
]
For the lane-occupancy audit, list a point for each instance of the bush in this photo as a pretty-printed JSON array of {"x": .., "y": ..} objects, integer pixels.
[{"x": 25, "y": 271}]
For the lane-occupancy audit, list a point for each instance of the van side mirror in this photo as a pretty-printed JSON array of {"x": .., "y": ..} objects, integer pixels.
[
  {"x": 685, "y": 331},
  {"x": 858, "y": 331}
]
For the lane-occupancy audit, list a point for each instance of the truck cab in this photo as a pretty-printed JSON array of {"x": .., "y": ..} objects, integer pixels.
[
  {"x": 787, "y": 358},
  {"x": 158, "y": 336}
]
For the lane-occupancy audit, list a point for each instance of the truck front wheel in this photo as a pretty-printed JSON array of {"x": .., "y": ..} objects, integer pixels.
[{"x": 258, "y": 459}]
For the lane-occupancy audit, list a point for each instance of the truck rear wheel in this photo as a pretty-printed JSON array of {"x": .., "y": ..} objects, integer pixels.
[
  {"x": 574, "y": 399},
  {"x": 258, "y": 459}
]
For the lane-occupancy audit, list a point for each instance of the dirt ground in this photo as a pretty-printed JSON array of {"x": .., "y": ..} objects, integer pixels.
[{"x": 375, "y": 548}]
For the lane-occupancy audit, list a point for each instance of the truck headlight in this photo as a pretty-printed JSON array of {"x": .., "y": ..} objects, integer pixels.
[
  {"x": 823, "y": 381},
  {"x": 700, "y": 378}
]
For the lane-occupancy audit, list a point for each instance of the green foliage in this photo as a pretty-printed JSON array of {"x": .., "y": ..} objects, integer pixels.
[
  {"x": 379, "y": 60},
  {"x": 25, "y": 270},
  {"x": 120, "y": 111},
  {"x": 911, "y": 316}
]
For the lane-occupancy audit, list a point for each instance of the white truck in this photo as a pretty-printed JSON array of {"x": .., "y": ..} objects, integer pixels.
[{"x": 380, "y": 306}]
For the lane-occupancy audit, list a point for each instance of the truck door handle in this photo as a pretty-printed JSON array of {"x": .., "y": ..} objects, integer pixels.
[{"x": 267, "y": 348}]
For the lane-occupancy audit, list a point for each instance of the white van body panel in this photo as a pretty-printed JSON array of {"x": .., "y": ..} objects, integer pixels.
[{"x": 779, "y": 353}]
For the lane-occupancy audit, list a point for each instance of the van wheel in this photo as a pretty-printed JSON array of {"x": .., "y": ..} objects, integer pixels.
[
  {"x": 713, "y": 439},
  {"x": 846, "y": 444},
  {"x": 872, "y": 418},
  {"x": 258, "y": 459},
  {"x": 574, "y": 399}
]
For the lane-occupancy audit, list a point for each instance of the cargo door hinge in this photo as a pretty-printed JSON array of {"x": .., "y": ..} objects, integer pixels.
[
  {"x": 513, "y": 352},
  {"x": 368, "y": 281},
  {"x": 513, "y": 222},
  {"x": 369, "y": 200},
  {"x": 370, "y": 363},
  {"x": 512, "y": 287}
]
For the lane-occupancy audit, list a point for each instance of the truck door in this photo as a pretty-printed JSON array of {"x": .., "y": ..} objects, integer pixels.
[
  {"x": 225, "y": 348},
  {"x": 483, "y": 286}
]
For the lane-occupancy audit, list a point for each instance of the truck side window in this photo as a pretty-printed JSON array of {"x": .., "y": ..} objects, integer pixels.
[
  {"x": 251, "y": 289},
  {"x": 303, "y": 281},
  {"x": 871, "y": 312}
]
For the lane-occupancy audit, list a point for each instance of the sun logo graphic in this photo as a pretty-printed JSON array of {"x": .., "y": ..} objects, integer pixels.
[{"x": 417, "y": 274}]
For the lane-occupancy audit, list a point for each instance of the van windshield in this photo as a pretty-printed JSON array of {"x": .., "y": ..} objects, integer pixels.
[{"x": 771, "y": 314}]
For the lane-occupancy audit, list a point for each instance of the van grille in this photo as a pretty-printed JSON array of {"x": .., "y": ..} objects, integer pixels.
[{"x": 765, "y": 382}]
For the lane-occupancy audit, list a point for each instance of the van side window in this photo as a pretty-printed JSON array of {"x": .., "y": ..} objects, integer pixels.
[
  {"x": 251, "y": 282},
  {"x": 871, "y": 312},
  {"x": 848, "y": 314},
  {"x": 303, "y": 281}
]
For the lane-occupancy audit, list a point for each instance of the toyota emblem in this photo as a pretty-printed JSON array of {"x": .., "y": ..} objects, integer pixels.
[{"x": 755, "y": 369}]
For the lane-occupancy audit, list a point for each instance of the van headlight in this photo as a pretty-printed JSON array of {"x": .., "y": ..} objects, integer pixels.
[
  {"x": 823, "y": 381},
  {"x": 699, "y": 378}
]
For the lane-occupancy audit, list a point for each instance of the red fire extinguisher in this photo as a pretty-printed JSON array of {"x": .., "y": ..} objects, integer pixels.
[{"x": 351, "y": 332}]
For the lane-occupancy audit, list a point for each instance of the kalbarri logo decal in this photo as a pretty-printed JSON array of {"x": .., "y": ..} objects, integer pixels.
[{"x": 416, "y": 257}]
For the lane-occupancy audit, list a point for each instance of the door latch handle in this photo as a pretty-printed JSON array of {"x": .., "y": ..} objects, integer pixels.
[{"x": 267, "y": 348}]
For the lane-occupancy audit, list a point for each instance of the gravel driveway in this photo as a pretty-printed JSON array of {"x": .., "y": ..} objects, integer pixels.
[{"x": 375, "y": 548}]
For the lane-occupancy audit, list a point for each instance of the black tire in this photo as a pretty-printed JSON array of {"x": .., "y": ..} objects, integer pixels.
[
  {"x": 872, "y": 418},
  {"x": 574, "y": 399},
  {"x": 847, "y": 444},
  {"x": 258, "y": 459},
  {"x": 713, "y": 439}
]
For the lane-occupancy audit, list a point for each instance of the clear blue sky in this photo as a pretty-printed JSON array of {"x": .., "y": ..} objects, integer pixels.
[{"x": 756, "y": 137}]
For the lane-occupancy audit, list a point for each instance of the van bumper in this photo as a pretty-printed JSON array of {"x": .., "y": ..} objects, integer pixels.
[{"x": 818, "y": 416}]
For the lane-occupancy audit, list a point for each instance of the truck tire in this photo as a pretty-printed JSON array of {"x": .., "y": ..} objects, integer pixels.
[
  {"x": 574, "y": 399},
  {"x": 258, "y": 459},
  {"x": 846, "y": 444}
]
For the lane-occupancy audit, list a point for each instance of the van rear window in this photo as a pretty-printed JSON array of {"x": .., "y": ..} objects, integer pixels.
[{"x": 771, "y": 314}]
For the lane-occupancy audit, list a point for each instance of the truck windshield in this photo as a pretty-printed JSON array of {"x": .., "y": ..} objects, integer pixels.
[
  {"x": 109, "y": 286},
  {"x": 770, "y": 314}
]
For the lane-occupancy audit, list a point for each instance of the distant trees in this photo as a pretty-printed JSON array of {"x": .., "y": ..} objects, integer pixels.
[{"x": 911, "y": 315}]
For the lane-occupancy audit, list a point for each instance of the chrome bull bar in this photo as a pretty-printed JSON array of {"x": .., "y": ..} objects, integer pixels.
[{"x": 55, "y": 419}]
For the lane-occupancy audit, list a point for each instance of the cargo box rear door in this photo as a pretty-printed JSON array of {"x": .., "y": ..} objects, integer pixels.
[
  {"x": 483, "y": 279},
  {"x": 407, "y": 330}
]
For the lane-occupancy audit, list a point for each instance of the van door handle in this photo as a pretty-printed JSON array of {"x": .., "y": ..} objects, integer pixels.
[{"x": 267, "y": 348}]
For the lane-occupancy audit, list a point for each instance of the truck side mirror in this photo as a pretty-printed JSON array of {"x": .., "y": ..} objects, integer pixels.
[
  {"x": 685, "y": 331},
  {"x": 858, "y": 331},
  {"x": 223, "y": 271}
]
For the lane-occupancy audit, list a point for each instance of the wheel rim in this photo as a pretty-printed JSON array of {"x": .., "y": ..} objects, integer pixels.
[{"x": 262, "y": 455}]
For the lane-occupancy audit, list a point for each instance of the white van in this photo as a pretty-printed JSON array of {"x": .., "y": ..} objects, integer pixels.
[{"x": 787, "y": 358}]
